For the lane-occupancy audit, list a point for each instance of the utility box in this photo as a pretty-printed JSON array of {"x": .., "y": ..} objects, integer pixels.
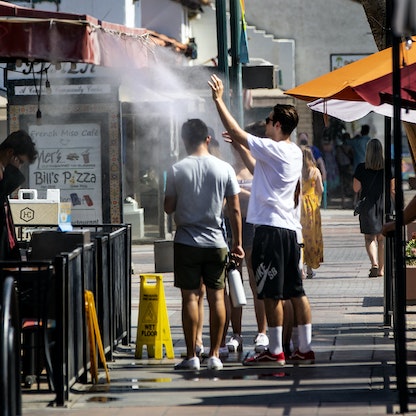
[
  {"x": 134, "y": 215},
  {"x": 28, "y": 209},
  {"x": 163, "y": 251}
]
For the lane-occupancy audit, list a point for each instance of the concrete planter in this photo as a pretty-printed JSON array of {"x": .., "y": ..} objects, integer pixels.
[
  {"x": 163, "y": 251},
  {"x": 411, "y": 284}
]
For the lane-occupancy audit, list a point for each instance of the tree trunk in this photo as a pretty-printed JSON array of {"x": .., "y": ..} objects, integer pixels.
[{"x": 375, "y": 11}]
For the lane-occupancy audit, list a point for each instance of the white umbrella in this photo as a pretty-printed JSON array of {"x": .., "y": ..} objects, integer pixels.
[{"x": 354, "y": 110}]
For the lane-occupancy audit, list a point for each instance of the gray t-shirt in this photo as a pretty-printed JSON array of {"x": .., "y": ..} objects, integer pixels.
[{"x": 200, "y": 184}]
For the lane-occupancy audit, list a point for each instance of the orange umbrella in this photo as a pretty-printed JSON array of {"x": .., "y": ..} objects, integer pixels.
[{"x": 368, "y": 79}]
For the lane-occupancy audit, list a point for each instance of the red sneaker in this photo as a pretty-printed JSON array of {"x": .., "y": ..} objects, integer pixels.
[
  {"x": 265, "y": 357},
  {"x": 302, "y": 357}
]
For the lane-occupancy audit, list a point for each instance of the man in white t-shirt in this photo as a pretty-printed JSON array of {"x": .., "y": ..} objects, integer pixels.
[{"x": 274, "y": 210}]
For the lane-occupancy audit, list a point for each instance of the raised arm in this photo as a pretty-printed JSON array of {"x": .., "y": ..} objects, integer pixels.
[
  {"x": 244, "y": 153},
  {"x": 409, "y": 215},
  {"x": 230, "y": 124}
]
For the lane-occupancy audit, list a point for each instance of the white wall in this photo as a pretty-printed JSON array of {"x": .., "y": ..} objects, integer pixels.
[
  {"x": 319, "y": 28},
  {"x": 204, "y": 30},
  {"x": 164, "y": 16}
]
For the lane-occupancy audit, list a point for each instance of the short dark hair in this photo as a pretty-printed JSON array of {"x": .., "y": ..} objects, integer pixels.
[
  {"x": 365, "y": 129},
  {"x": 21, "y": 144},
  {"x": 194, "y": 132},
  {"x": 287, "y": 116}
]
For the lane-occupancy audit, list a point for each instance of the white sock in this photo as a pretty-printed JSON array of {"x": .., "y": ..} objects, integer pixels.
[
  {"x": 305, "y": 337},
  {"x": 295, "y": 338},
  {"x": 275, "y": 339}
]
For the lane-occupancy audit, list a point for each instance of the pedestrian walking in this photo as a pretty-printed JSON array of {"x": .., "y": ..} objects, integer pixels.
[
  {"x": 303, "y": 140},
  {"x": 369, "y": 183},
  {"x": 344, "y": 156},
  {"x": 359, "y": 144},
  {"x": 195, "y": 190},
  {"x": 275, "y": 212},
  {"x": 312, "y": 189}
]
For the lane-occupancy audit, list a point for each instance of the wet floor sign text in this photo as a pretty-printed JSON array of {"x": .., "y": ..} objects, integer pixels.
[{"x": 153, "y": 329}]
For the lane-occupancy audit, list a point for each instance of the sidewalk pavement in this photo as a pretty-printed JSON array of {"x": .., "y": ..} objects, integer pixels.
[{"x": 354, "y": 373}]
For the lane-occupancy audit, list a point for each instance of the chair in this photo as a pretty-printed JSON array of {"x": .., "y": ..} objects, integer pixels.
[{"x": 34, "y": 282}]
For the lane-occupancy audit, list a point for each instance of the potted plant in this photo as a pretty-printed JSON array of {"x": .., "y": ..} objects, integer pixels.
[{"x": 411, "y": 269}]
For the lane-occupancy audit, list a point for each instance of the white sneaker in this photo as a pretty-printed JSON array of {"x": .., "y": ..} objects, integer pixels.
[
  {"x": 224, "y": 352},
  {"x": 261, "y": 342},
  {"x": 214, "y": 363},
  {"x": 235, "y": 343},
  {"x": 188, "y": 364}
]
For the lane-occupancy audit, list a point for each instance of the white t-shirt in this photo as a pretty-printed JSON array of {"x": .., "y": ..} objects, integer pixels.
[{"x": 278, "y": 169}]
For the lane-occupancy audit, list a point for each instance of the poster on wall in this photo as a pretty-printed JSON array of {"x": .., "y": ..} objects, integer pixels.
[
  {"x": 338, "y": 60},
  {"x": 69, "y": 159}
]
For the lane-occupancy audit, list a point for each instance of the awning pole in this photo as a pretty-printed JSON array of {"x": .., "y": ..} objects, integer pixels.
[
  {"x": 399, "y": 287},
  {"x": 388, "y": 250},
  {"x": 236, "y": 81},
  {"x": 222, "y": 47}
]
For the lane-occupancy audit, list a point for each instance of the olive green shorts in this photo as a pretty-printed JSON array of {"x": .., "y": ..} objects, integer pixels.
[{"x": 193, "y": 263}]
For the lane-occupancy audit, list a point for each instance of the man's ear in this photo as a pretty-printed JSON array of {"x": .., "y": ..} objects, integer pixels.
[{"x": 10, "y": 154}]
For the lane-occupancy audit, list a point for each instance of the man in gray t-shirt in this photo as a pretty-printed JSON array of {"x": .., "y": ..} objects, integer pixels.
[{"x": 195, "y": 191}]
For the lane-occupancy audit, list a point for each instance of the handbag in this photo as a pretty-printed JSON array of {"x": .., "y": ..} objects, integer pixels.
[
  {"x": 362, "y": 201},
  {"x": 359, "y": 207}
]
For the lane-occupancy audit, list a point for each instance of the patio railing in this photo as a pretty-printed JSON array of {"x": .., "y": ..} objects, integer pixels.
[{"x": 103, "y": 267}]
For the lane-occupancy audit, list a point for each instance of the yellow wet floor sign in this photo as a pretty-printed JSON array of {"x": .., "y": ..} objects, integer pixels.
[
  {"x": 153, "y": 329},
  {"x": 94, "y": 338}
]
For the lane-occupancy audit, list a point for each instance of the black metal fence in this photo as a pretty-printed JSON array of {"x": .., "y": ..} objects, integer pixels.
[
  {"x": 103, "y": 267},
  {"x": 395, "y": 313}
]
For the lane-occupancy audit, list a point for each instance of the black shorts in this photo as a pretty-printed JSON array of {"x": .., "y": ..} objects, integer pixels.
[
  {"x": 275, "y": 260},
  {"x": 193, "y": 263}
]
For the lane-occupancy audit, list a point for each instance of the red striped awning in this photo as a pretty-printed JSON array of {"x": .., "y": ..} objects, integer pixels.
[{"x": 36, "y": 35}]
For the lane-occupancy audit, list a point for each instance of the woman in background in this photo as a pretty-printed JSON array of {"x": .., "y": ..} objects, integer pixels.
[
  {"x": 369, "y": 180},
  {"x": 312, "y": 189}
]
